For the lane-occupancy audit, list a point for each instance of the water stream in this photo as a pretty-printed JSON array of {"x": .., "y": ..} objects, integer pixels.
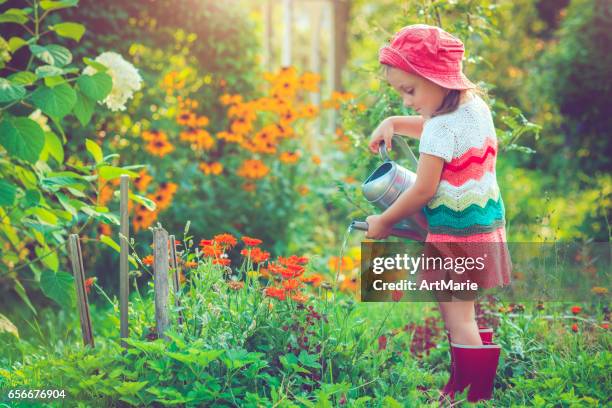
[{"x": 347, "y": 234}]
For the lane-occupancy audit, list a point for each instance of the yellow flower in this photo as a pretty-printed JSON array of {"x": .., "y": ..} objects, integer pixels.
[{"x": 598, "y": 290}]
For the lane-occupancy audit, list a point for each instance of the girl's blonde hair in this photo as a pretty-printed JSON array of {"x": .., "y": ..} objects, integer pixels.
[{"x": 451, "y": 101}]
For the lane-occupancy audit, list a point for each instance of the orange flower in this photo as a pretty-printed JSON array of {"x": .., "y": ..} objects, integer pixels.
[
  {"x": 256, "y": 254},
  {"x": 204, "y": 140},
  {"x": 222, "y": 261},
  {"x": 104, "y": 229},
  {"x": 248, "y": 241},
  {"x": 186, "y": 118},
  {"x": 576, "y": 309},
  {"x": 349, "y": 285},
  {"x": 159, "y": 147},
  {"x": 89, "y": 283},
  {"x": 316, "y": 160},
  {"x": 235, "y": 285},
  {"x": 230, "y": 137},
  {"x": 227, "y": 99},
  {"x": 289, "y": 158},
  {"x": 241, "y": 126},
  {"x": 293, "y": 259},
  {"x": 225, "y": 240},
  {"x": 214, "y": 168},
  {"x": 315, "y": 279},
  {"x": 153, "y": 135},
  {"x": 292, "y": 271},
  {"x": 277, "y": 293},
  {"x": 148, "y": 260},
  {"x": 605, "y": 326},
  {"x": 309, "y": 81},
  {"x": 299, "y": 297},
  {"x": 142, "y": 181},
  {"x": 191, "y": 264},
  {"x": 212, "y": 251},
  {"x": 291, "y": 285},
  {"x": 303, "y": 190},
  {"x": 308, "y": 111},
  {"x": 206, "y": 242},
  {"x": 253, "y": 169},
  {"x": 575, "y": 328},
  {"x": 347, "y": 263}
]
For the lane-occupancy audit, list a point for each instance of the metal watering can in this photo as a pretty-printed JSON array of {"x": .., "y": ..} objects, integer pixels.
[{"x": 385, "y": 185}]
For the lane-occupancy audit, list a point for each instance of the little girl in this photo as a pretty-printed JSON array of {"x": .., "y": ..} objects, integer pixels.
[{"x": 456, "y": 185}]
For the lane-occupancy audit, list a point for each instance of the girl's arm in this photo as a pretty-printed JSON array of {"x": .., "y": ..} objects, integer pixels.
[
  {"x": 411, "y": 126},
  {"x": 412, "y": 200}
]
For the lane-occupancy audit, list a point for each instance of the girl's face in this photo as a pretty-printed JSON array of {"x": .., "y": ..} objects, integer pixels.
[{"x": 418, "y": 93}]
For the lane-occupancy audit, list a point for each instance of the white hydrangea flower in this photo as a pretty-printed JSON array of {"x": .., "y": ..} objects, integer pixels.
[
  {"x": 41, "y": 119},
  {"x": 126, "y": 79}
]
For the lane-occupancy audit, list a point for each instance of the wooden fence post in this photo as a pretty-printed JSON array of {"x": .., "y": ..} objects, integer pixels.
[
  {"x": 160, "y": 267},
  {"x": 124, "y": 288},
  {"x": 175, "y": 277},
  {"x": 76, "y": 259}
]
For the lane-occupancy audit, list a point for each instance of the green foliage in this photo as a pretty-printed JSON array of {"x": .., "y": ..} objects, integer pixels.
[
  {"x": 42, "y": 195},
  {"x": 575, "y": 75}
]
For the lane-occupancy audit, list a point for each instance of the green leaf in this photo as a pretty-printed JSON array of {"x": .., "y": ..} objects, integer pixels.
[
  {"x": 16, "y": 43},
  {"x": 54, "y": 146},
  {"x": 56, "y": 5},
  {"x": 52, "y": 54},
  {"x": 59, "y": 287},
  {"x": 57, "y": 101},
  {"x": 147, "y": 202},
  {"x": 14, "y": 15},
  {"x": 22, "y": 78},
  {"x": 32, "y": 197},
  {"x": 22, "y": 138},
  {"x": 49, "y": 259},
  {"x": 48, "y": 70},
  {"x": 111, "y": 172},
  {"x": 96, "y": 86},
  {"x": 6, "y": 326},
  {"x": 95, "y": 150},
  {"x": 7, "y": 193},
  {"x": 96, "y": 65},
  {"x": 110, "y": 242},
  {"x": 54, "y": 81},
  {"x": 10, "y": 91},
  {"x": 130, "y": 388},
  {"x": 43, "y": 215},
  {"x": 83, "y": 108},
  {"x": 24, "y": 296},
  {"x": 69, "y": 30}
]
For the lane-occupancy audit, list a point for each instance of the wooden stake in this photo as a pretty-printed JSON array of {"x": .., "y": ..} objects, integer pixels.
[
  {"x": 175, "y": 277},
  {"x": 76, "y": 259},
  {"x": 160, "y": 267},
  {"x": 124, "y": 288}
]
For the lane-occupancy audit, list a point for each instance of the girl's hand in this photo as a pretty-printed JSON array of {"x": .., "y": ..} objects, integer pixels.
[
  {"x": 377, "y": 227},
  {"x": 384, "y": 132}
]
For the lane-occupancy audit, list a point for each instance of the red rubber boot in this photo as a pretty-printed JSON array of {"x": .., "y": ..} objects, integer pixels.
[
  {"x": 486, "y": 335},
  {"x": 475, "y": 367}
]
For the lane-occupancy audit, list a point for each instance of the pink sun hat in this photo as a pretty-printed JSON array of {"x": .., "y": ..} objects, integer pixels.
[{"x": 429, "y": 52}]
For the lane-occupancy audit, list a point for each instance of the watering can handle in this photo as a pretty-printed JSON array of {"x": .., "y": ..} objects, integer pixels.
[{"x": 384, "y": 155}]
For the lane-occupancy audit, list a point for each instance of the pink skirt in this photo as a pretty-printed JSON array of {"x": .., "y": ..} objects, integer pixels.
[{"x": 490, "y": 266}]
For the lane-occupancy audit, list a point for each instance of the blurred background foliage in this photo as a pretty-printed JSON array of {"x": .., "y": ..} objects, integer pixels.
[{"x": 544, "y": 63}]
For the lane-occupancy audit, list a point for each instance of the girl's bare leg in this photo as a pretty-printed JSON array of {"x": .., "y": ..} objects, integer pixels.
[{"x": 460, "y": 320}]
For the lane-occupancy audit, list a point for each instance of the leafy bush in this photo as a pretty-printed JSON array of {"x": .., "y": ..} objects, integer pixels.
[{"x": 44, "y": 192}]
